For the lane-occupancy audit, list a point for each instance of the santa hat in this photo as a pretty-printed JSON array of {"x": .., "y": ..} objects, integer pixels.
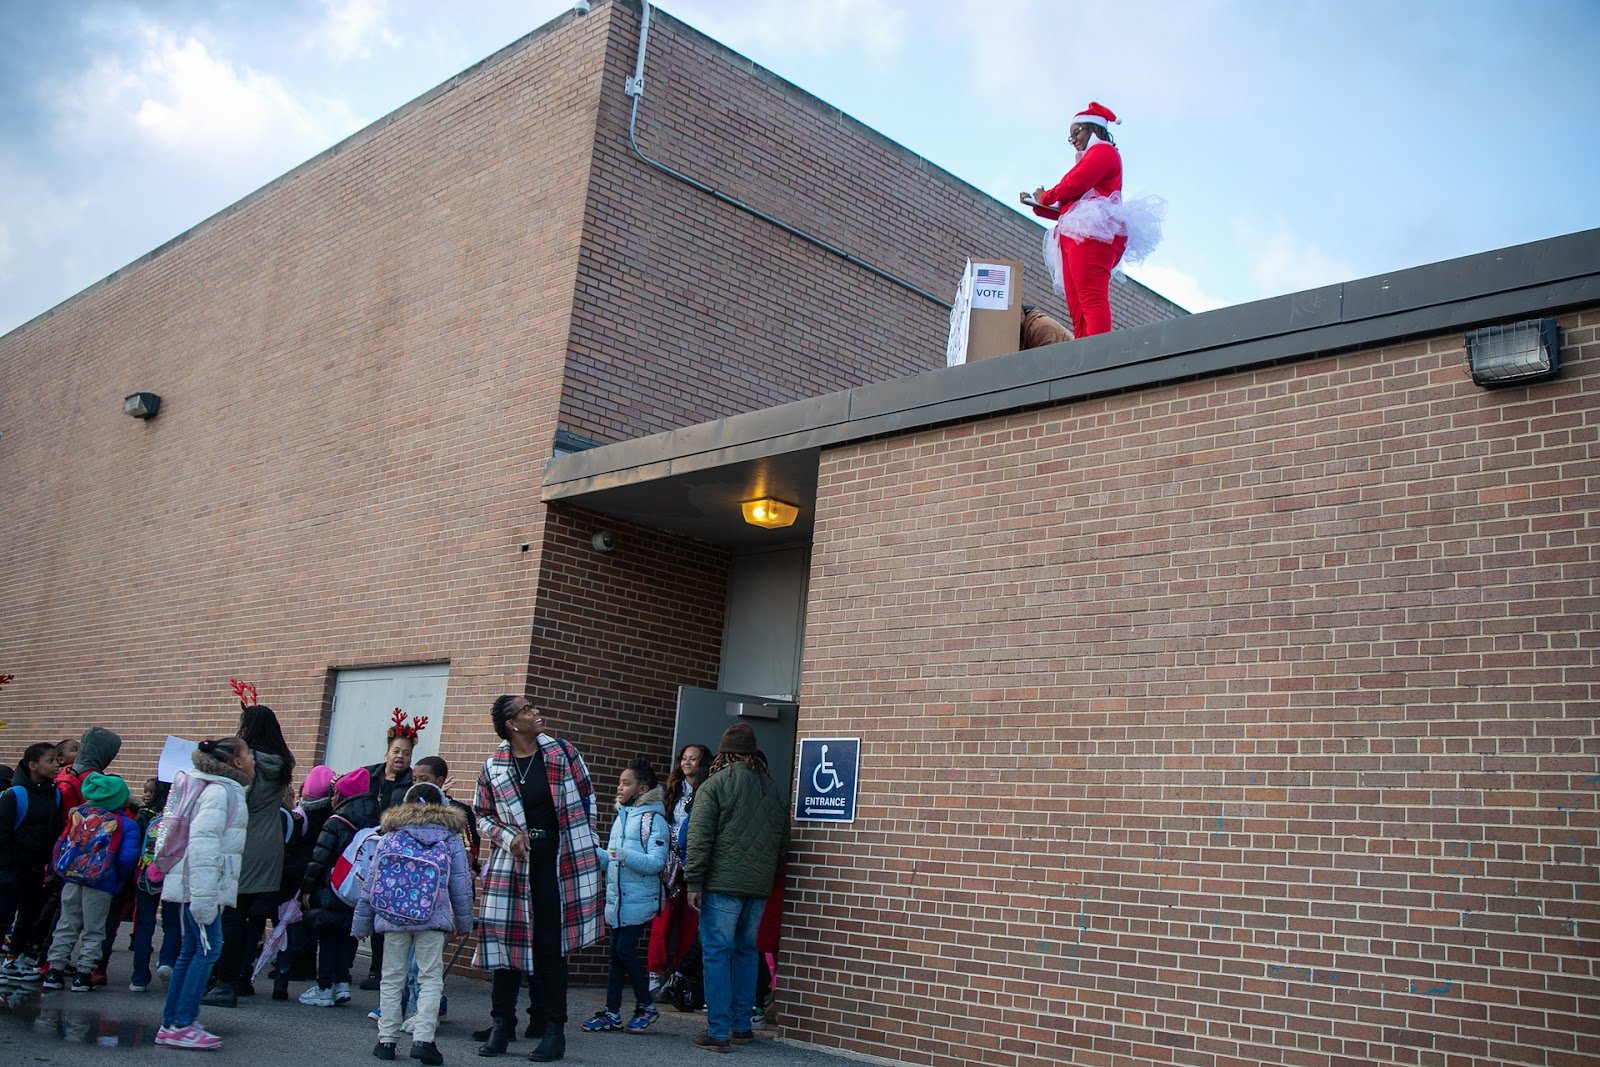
[{"x": 1098, "y": 115}]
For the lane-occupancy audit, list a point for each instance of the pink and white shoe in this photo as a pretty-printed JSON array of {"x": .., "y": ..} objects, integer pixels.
[{"x": 192, "y": 1036}]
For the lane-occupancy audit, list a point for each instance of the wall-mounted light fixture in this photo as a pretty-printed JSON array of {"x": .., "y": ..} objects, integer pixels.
[
  {"x": 769, "y": 514},
  {"x": 141, "y": 405},
  {"x": 1515, "y": 354}
]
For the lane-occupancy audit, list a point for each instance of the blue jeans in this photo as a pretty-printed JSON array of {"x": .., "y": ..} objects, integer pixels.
[
  {"x": 190, "y": 973},
  {"x": 625, "y": 964},
  {"x": 145, "y": 907},
  {"x": 728, "y": 928}
]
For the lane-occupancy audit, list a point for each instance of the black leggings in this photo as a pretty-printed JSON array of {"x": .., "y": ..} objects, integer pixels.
[
  {"x": 549, "y": 965},
  {"x": 242, "y": 931}
]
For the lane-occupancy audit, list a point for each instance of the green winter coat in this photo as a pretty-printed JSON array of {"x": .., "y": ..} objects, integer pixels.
[{"x": 738, "y": 833}]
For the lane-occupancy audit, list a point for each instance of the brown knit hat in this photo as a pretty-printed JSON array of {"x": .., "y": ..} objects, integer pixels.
[{"x": 738, "y": 739}]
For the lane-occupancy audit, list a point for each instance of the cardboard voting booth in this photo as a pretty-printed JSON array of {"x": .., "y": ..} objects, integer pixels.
[{"x": 987, "y": 317}]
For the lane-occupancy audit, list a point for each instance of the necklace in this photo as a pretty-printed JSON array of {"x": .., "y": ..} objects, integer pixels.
[{"x": 520, "y": 770}]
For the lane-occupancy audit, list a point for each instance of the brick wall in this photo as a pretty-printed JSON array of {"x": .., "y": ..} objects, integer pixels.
[
  {"x": 615, "y": 633},
  {"x": 1249, "y": 720},
  {"x": 360, "y": 365},
  {"x": 689, "y": 309}
]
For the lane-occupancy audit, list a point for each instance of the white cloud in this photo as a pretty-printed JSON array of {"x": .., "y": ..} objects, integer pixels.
[
  {"x": 182, "y": 94},
  {"x": 877, "y": 27},
  {"x": 1286, "y": 262},
  {"x": 353, "y": 26},
  {"x": 1178, "y": 286}
]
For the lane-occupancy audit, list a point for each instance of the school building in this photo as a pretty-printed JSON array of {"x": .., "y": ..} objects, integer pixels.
[{"x": 1222, "y": 688}]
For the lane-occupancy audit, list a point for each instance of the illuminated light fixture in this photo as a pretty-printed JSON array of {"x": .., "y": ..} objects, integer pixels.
[
  {"x": 141, "y": 405},
  {"x": 1516, "y": 354},
  {"x": 769, "y": 514}
]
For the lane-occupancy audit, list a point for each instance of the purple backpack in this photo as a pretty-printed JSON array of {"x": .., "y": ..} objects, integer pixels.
[{"x": 408, "y": 877}]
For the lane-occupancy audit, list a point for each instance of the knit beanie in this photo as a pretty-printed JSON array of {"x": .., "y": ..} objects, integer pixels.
[
  {"x": 105, "y": 791},
  {"x": 738, "y": 739},
  {"x": 319, "y": 782},
  {"x": 353, "y": 783}
]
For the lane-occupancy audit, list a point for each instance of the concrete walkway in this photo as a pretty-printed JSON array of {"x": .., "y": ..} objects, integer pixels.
[{"x": 114, "y": 1026}]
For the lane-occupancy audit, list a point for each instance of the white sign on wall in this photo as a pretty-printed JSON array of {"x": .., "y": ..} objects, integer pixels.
[
  {"x": 991, "y": 286},
  {"x": 365, "y": 699}
]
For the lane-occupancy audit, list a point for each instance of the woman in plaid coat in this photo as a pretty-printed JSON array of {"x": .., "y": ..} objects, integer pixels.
[{"x": 543, "y": 891}]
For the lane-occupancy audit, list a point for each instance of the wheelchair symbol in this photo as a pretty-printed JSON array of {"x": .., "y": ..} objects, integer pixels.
[{"x": 825, "y": 768}]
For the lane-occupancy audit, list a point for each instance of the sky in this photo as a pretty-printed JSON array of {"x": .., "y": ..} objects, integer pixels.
[{"x": 1296, "y": 144}]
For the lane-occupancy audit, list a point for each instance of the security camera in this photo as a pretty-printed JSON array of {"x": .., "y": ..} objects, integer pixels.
[{"x": 604, "y": 541}]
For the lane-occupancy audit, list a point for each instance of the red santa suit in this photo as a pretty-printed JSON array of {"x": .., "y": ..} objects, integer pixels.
[
  {"x": 1087, "y": 257},
  {"x": 1094, "y": 227}
]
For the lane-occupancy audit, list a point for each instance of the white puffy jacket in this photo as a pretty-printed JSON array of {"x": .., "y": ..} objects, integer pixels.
[{"x": 206, "y": 876}]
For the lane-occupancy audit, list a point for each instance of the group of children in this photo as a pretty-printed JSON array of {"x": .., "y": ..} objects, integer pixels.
[{"x": 77, "y": 858}]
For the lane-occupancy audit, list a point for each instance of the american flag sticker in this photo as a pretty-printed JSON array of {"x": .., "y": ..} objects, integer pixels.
[{"x": 991, "y": 286}]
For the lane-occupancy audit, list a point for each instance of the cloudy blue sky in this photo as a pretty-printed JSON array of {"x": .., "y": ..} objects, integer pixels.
[{"x": 1297, "y": 143}]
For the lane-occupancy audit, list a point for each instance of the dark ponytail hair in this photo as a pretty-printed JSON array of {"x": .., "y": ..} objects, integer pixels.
[
  {"x": 501, "y": 714},
  {"x": 226, "y": 749},
  {"x": 643, "y": 773},
  {"x": 258, "y": 728},
  {"x": 32, "y": 754}
]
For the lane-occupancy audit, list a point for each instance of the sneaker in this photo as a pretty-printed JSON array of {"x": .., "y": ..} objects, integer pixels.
[
  {"x": 741, "y": 1037},
  {"x": 82, "y": 983},
  {"x": 22, "y": 969},
  {"x": 642, "y": 1018},
  {"x": 602, "y": 1021},
  {"x": 656, "y": 982},
  {"x": 317, "y": 997},
  {"x": 164, "y": 973},
  {"x": 191, "y": 1036},
  {"x": 138, "y": 987},
  {"x": 55, "y": 979},
  {"x": 375, "y": 1014},
  {"x": 409, "y": 1026},
  {"x": 706, "y": 1043},
  {"x": 98, "y": 976},
  {"x": 371, "y": 982},
  {"x": 341, "y": 993},
  {"x": 427, "y": 1052},
  {"x": 383, "y": 1050},
  {"x": 758, "y": 1018}
]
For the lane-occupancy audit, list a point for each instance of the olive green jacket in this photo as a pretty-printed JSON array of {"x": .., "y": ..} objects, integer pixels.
[{"x": 738, "y": 833}]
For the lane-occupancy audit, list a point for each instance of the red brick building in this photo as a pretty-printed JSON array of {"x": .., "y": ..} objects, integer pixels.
[{"x": 1225, "y": 684}]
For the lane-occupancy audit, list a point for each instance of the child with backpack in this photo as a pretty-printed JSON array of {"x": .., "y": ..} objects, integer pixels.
[
  {"x": 148, "y": 907},
  {"x": 30, "y": 822},
  {"x": 632, "y": 859},
  {"x": 418, "y": 893},
  {"x": 200, "y": 850},
  {"x": 336, "y": 864},
  {"x": 94, "y": 857}
]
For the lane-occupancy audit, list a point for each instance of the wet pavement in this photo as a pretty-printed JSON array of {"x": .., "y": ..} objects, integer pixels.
[{"x": 112, "y": 1025}]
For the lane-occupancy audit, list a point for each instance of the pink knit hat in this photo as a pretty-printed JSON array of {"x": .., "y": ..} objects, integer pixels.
[
  {"x": 353, "y": 783},
  {"x": 319, "y": 782}
]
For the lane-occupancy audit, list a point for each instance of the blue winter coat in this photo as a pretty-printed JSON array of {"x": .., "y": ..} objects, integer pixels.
[
  {"x": 633, "y": 886},
  {"x": 428, "y": 824}
]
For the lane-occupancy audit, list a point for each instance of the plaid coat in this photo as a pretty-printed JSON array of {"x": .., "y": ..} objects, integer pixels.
[{"x": 505, "y": 922}]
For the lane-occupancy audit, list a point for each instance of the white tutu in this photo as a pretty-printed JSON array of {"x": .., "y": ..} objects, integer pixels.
[{"x": 1105, "y": 218}]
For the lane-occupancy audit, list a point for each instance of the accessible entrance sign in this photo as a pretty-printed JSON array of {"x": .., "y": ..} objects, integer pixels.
[{"x": 825, "y": 790}]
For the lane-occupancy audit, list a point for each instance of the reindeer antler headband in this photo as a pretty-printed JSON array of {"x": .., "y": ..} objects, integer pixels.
[
  {"x": 6, "y": 679},
  {"x": 245, "y": 692},
  {"x": 400, "y": 729}
]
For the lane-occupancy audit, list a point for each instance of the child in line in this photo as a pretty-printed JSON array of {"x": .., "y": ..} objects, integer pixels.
[
  {"x": 632, "y": 859},
  {"x": 30, "y": 822},
  {"x": 94, "y": 857},
  {"x": 147, "y": 903},
  {"x": 355, "y": 809},
  {"x": 419, "y": 893}
]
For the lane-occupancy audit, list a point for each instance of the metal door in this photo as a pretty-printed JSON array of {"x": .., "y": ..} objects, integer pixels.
[{"x": 704, "y": 713}]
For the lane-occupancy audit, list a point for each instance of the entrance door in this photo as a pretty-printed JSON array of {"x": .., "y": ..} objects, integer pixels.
[
  {"x": 704, "y": 713},
  {"x": 363, "y": 706}
]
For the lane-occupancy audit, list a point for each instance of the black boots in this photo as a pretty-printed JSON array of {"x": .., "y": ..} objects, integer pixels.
[
  {"x": 501, "y": 1034},
  {"x": 554, "y": 1045},
  {"x": 221, "y": 996},
  {"x": 280, "y": 985},
  {"x": 427, "y": 1052}
]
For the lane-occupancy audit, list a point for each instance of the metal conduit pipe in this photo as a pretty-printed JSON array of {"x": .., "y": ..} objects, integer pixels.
[{"x": 634, "y": 87}]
